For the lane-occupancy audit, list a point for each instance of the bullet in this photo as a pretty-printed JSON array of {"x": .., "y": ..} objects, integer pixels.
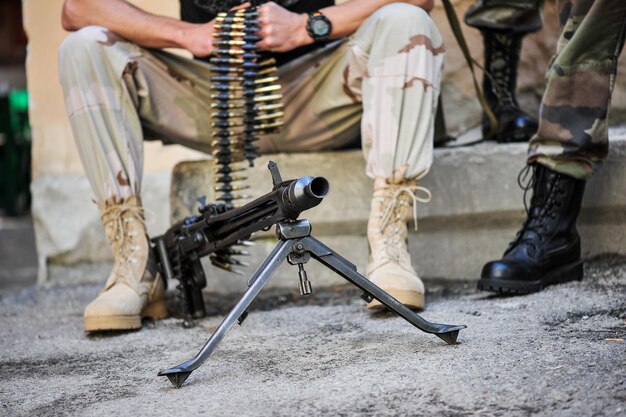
[
  {"x": 226, "y": 152},
  {"x": 229, "y": 52},
  {"x": 268, "y": 107},
  {"x": 249, "y": 13},
  {"x": 222, "y": 35},
  {"x": 267, "y": 80},
  {"x": 228, "y": 43},
  {"x": 235, "y": 28},
  {"x": 250, "y": 56},
  {"x": 228, "y": 27},
  {"x": 223, "y": 96},
  {"x": 224, "y": 60},
  {"x": 271, "y": 97},
  {"x": 265, "y": 89},
  {"x": 226, "y": 123},
  {"x": 226, "y": 266},
  {"x": 226, "y": 70},
  {"x": 237, "y": 19},
  {"x": 270, "y": 70},
  {"x": 230, "y": 19},
  {"x": 269, "y": 125},
  {"x": 227, "y": 105},
  {"x": 251, "y": 38},
  {"x": 225, "y": 115},
  {"x": 230, "y": 143},
  {"x": 268, "y": 116},
  {"x": 250, "y": 148},
  {"x": 224, "y": 133},
  {"x": 228, "y": 187},
  {"x": 229, "y": 178},
  {"x": 226, "y": 160},
  {"x": 226, "y": 258},
  {"x": 227, "y": 169},
  {"x": 226, "y": 87},
  {"x": 230, "y": 78}
]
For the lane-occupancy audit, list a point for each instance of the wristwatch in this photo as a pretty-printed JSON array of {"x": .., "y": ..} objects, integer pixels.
[{"x": 318, "y": 26}]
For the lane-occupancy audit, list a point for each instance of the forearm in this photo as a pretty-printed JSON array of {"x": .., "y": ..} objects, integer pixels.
[
  {"x": 347, "y": 17},
  {"x": 126, "y": 20}
]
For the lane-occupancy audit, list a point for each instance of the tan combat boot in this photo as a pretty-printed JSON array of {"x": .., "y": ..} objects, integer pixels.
[
  {"x": 389, "y": 262},
  {"x": 133, "y": 290}
]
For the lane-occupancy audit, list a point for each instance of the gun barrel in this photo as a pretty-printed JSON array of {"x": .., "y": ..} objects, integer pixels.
[{"x": 306, "y": 193}]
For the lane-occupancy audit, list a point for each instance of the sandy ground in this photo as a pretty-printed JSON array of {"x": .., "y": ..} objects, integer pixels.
[{"x": 557, "y": 353}]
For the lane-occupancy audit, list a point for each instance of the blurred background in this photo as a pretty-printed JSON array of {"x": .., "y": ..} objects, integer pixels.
[{"x": 17, "y": 254}]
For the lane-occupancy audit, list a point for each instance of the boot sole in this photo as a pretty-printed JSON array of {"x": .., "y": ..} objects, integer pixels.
[
  {"x": 156, "y": 310},
  {"x": 567, "y": 273},
  {"x": 412, "y": 299}
]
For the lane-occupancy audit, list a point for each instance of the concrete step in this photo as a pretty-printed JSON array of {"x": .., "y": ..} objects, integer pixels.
[{"x": 476, "y": 208}]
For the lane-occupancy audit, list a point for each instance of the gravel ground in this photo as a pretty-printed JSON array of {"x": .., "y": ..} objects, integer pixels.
[{"x": 556, "y": 353}]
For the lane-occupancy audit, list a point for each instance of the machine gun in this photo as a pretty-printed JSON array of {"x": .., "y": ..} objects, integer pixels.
[{"x": 216, "y": 228}]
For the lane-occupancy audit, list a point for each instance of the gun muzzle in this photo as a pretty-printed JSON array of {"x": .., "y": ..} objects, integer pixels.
[{"x": 305, "y": 193}]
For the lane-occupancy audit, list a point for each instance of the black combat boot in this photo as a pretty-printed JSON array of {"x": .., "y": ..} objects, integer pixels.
[
  {"x": 547, "y": 249},
  {"x": 502, "y": 53}
]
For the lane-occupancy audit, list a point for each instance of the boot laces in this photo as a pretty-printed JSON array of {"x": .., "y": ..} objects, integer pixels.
[
  {"x": 122, "y": 216},
  {"x": 541, "y": 207},
  {"x": 500, "y": 71},
  {"x": 395, "y": 202}
]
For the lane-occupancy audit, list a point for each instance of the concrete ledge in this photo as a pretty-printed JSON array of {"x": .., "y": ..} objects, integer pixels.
[{"x": 476, "y": 208}]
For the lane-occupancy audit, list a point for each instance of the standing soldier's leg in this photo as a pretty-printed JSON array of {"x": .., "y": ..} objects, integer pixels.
[
  {"x": 390, "y": 71},
  {"x": 571, "y": 143},
  {"x": 503, "y": 24}
]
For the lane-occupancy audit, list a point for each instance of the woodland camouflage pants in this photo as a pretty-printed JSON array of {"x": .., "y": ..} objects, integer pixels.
[
  {"x": 573, "y": 126},
  {"x": 383, "y": 83}
]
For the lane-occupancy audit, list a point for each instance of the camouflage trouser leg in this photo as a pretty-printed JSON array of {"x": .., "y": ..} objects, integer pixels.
[
  {"x": 117, "y": 94},
  {"x": 573, "y": 128},
  {"x": 512, "y": 16},
  {"x": 386, "y": 79}
]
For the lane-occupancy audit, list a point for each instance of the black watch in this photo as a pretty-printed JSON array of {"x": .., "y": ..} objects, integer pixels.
[{"x": 318, "y": 26}]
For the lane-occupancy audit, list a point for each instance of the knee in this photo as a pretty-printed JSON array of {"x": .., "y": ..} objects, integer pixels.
[
  {"x": 83, "y": 45},
  {"x": 401, "y": 15}
]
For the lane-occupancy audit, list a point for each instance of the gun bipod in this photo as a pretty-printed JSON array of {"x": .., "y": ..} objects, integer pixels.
[{"x": 297, "y": 246}]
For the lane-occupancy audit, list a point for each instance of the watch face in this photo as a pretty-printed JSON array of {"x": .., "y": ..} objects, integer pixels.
[{"x": 320, "y": 28}]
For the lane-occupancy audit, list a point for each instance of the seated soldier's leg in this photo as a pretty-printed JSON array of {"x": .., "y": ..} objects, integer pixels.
[
  {"x": 571, "y": 143},
  {"x": 389, "y": 72},
  {"x": 400, "y": 89},
  {"x": 116, "y": 91},
  {"x": 503, "y": 24}
]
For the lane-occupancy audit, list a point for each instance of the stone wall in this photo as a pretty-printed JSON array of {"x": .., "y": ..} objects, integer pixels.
[{"x": 66, "y": 221}]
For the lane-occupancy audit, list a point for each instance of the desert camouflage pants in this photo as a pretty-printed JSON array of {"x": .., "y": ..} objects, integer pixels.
[
  {"x": 573, "y": 120},
  {"x": 382, "y": 83}
]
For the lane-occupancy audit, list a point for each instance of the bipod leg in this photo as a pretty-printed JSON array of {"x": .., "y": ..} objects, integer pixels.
[
  {"x": 343, "y": 267},
  {"x": 178, "y": 374}
]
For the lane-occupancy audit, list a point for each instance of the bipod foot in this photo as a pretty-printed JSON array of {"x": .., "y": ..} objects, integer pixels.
[
  {"x": 177, "y": 378},
  {"x": 449, "y": 335}
]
